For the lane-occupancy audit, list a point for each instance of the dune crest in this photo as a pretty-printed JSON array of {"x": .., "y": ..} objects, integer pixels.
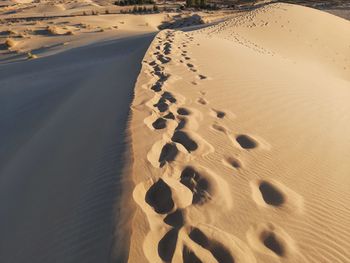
[{"x": 235, "y": 136}]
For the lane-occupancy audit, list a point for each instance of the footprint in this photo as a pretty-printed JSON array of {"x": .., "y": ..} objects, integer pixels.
[
  {"x": 219, "y": 128},
  {"x": 189, "y": 65},
  {"x": 272, "y": 242},
  {"x": 182, "y": 124},
  {"x": 152, "y": 63},
  {"x": 246, "y": 142},
  {"x": 175, "y": 219},
  {"x": 271, "y": 194},
  {"x": 220, "y": 253},
  {"x": 157, "y": 86},
  {"x": 158, "y": 71},
  {"x": 159, "y": 197},
  {"x": 159, "y": 123},
  {"x": 167, "y": 245},
  {"x": 199, "y": 186},
  {"x": 168, "y": 154},
  {"x": 169, "y": 116},
  {"x": 201, "y": 77},
  {"x": 163, "y": 59},
  {"x": 219, "y": 114},
  {"x": 183, "y": 111},
  {"x": 169, "y": 97},
  {"x": 233, "y": 162},
  {"x": 202, "y": 101},
  {"x": 188, "y": 256},
  {"x": 183, "y": 138},
  {"x": 274, "y": 194},
  {"x": 167, "y": 48},
  {"x": 161, "y": 105}
]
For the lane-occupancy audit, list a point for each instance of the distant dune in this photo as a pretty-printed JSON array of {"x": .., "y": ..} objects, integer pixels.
[{"x": 240, "y": 141}]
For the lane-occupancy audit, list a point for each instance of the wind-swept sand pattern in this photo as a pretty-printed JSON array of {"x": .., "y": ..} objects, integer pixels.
[
  {"x": 240, "y": 141},
  {"x": 62, "y": 134}
]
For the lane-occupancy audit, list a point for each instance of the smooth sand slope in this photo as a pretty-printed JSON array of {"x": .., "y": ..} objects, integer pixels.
[
  {"x": 62, "y": 133},
  {"x": 240, "y": 140}
]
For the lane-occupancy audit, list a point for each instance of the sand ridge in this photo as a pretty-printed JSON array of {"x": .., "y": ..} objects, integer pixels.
[
  {"x": 219, "y": 121},
  {"x": 164, "y": 200}
]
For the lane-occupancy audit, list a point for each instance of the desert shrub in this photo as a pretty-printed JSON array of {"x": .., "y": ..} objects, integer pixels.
[
  {"x": 200, "y": 4},
  {"x": 133, "y": 2}
]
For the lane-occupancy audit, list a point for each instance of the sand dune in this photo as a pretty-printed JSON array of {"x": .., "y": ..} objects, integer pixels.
[
  {"x": 239, "y": 134},
  {"x": 240, "y": 141}
]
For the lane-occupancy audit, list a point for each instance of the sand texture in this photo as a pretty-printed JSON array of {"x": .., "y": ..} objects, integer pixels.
[{"x": 240, "y": 141}]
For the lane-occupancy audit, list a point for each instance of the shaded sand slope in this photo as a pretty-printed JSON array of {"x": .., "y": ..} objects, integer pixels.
[
  {"x": 240, "y": 136},
  {"x": 62, "y": 133}
]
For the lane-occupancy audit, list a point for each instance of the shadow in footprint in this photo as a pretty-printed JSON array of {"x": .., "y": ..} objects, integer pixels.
[
  {"x": 271, "y": 242},
  {"x": 167, "y": 245},
  {"x": 159, "y": 123},
  {"x": 170, "y": 116},
  {"x": 163, "y": 59},
  {"x": 188, "y": 256},
  {"x": 182, "y": 124},
  {"x": 152, "y": 63},
  {"x": 157, "y": 86},
  {"x": 161, "y": 75},
  {"x": 161, "y": 105},
  {"x": 175, "y": 219},
  {"x": 182, "y": 138},
  {"x": 168, "y": 153},
  {"x": 246, "y": 142},
  {"x": 202, "y": 101},
  {"x": 220, "y": 114},
  {"x": 159, "y": 197},
  {"x": 167, "y": 48},
  {"x": 199, "y": 186},
  {"x": 234, "y": 162},
  {"x": 220, "y": 253},
  {"x": 183, "y": 111},
  {"x": 168, "y": 96},
  {"x": 271, "y": 194}
]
